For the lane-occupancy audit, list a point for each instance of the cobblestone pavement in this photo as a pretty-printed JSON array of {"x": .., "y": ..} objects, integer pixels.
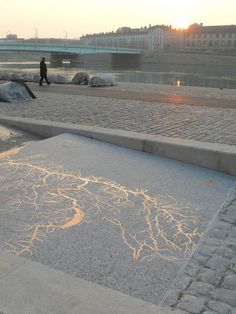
[
  {"x": 201, "y": 123},
  {"x": 208, "y": 282}
]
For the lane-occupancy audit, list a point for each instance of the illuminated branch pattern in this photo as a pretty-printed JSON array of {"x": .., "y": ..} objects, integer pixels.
[{"x": 148, "y": 226}]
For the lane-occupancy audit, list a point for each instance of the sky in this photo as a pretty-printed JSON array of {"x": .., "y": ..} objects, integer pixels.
[{"x": 73, "y": 18}]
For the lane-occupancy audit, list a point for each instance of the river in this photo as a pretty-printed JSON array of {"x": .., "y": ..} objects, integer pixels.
[{"x": 163, "y": 75}]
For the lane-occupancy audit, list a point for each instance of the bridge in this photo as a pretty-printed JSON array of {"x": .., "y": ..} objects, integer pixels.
[{"x": 64, "y": 51}]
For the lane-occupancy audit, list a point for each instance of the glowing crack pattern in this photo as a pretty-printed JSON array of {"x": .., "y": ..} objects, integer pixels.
[{"x": 52, "y": 200}]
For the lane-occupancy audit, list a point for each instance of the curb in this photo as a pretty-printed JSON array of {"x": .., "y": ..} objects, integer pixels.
[{"x": 219, "y": 157}]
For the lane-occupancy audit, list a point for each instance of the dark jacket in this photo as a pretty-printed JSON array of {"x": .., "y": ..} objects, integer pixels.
[{"x": 43, "y": 68}]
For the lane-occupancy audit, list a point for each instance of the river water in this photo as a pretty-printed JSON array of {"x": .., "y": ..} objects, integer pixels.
[{"x": 205, "y": 76}]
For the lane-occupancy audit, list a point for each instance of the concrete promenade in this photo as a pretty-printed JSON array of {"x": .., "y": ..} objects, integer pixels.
[{"x": 206, "y": 282}]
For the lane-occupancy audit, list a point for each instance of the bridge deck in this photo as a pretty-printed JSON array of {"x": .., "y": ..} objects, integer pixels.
[{"x": 64, "y": 48}]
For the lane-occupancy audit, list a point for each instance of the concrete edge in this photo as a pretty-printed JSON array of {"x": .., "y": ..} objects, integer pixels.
[
  {"x": 30, "y": 287},
  {"x": 219, "y": 157}
]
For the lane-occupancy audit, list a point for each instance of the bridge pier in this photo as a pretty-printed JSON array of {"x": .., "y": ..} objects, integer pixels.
[
  {"x": 126, "y": 60},
  {"x": 116, "y": 61},
  {"x": 56, "y": 59}
]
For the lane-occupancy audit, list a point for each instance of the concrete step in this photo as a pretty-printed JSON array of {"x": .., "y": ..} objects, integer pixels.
[
  {"x": 28, "y": 287},
  {"x": 89, "y": 209},
  {"x": 219, "y": 157}
]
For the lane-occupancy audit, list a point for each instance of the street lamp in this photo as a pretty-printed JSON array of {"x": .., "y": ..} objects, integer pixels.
[
  {"x": 65, "y": 43},
  {"x": 36, "y": 37},
  {"x": 7, "y": 33}
]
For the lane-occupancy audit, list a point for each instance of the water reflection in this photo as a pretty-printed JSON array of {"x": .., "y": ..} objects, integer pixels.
[
  {"x": 178, "y": 83},
  {"x": 49, "y": 200},
  {"x": 173, "y": 78}
]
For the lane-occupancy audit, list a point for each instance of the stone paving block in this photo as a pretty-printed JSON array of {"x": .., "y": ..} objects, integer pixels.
[
  {"x": 191, "y": 304},
  {"x": 193, "y": 269},
  {"x": 223, "y": 225},
  {"x": 172, "y": 298},
  {"x": 213, "y": 242},
  {"x": 209, "y": 276},
  {"x": 229, "y": 214},
  {"x": 218, "y": 307},
  {"x": 233, "y": 267},
  {"x": 200, "y": 289},
  {"x": 199, "y": 258},
  {"x": 232, "y": 233},
  {"x": 218, "y": 233},
  {"x": 230, "y": 282},
  {"x": 226, "y": 296},
  {"x": 225, "y": 252},
  {"x": 183, "y": 282},
  {"x": 206, "y": 250},
  {"x": 230, "y": 243},
  {"x": 218, "y": 263}
]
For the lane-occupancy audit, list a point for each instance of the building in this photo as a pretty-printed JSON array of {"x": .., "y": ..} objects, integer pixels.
[
  {"x": 11, "y": 37},
  {"x": 199, "y": 37},
  {"x": 173, "y": 38},
  {"x": 145, "y": 38}
]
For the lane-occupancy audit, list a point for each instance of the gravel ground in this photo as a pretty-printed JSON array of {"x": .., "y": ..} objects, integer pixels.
[{"x": 11, "y": 138}]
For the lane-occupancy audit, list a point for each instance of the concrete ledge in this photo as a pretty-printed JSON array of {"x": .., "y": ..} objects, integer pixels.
[
  {"x": 28, "y": 287},
  {"x": 214, "y": 156},
  {"x": 218, "y": 157}
]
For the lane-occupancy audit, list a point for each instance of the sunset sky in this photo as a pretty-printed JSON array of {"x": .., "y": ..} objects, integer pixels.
[{"x": 56, "y": 18}]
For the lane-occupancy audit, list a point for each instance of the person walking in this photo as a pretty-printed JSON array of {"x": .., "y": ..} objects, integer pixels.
[{"x": 43, "y": 72}]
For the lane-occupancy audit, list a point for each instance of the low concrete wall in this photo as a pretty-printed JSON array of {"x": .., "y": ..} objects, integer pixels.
[
  {"x": 198, "y": 63},
  {"x": 181, "y": 58},
  {"x": 218, "y": 157}
]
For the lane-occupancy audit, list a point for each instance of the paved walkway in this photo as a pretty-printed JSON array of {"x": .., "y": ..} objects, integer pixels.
[
  {"x": 207, "y": 283},
  {"x": 202, "y": 123}
]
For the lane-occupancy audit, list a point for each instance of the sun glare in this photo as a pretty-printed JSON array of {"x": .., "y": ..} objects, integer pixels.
[{"x": 182, "y": 22}]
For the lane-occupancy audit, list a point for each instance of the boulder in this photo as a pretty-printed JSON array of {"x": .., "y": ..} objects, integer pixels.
[
  {"x": 102, "y": 79},
  {"x": 81, "y": 78},
  {"x": 15, "y": 92},
  {"x": 58, "y": 79},
  {"x": 35, "y": 78},
  {"x": 5, "y": 76},
  {"x": 29, "y": 77},
  {"x": 26, "y": 77}
]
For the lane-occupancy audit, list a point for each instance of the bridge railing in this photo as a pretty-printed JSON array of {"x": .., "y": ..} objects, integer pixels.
[{"x": 63, "y": 47}]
